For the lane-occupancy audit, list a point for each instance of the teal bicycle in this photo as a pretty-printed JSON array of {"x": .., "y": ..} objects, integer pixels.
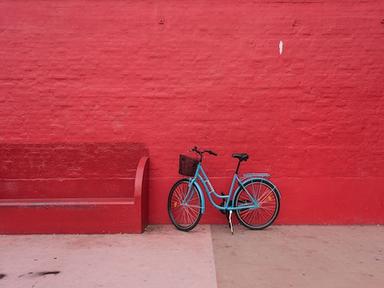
[{"x": 253, "y": 197}]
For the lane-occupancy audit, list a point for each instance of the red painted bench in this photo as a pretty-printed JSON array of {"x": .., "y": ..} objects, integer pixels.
[{"x": 73, "y": 188}]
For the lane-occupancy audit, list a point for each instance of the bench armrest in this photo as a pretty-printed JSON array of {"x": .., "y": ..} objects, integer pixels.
[{"x": 141, "y": 191}]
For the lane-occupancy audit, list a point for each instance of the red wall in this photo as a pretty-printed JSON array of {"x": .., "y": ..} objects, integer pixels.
[{"x": 173, "y": 74}]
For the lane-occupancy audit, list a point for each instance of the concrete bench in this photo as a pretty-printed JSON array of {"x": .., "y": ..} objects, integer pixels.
[{"x": 73, "y": 188}]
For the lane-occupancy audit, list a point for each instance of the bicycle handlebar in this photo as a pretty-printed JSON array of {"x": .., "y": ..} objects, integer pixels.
[
  {"x": 211, "y": 152},
  {"x": 196, "y": 150}
]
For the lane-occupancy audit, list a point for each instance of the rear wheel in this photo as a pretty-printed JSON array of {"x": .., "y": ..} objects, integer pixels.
[
  {"x": 184, "y": 213},
  {"x": 269, "y": 204}
]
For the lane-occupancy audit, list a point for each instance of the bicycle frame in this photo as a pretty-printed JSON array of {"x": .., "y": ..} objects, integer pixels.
[{"x": 201, "y": 176}]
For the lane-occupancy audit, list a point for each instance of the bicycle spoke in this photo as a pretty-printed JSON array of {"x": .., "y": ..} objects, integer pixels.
[
  {"x": 187, "y": 216},
  {"x": 194, "y": 206},
  {"x": 258, "y": 191},
  {"x": 246, "y": 212},
  {"x": 178, "y": 197},
  {"x": 268, "y": 211},
  {"x": 264, "y": 196}
]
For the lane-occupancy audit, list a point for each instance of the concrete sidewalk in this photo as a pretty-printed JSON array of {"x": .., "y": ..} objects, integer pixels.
[
  {"x": 161, "y": 256},
  {"x": 300, "y": 256},
  {"x": 209, "y": 256}
]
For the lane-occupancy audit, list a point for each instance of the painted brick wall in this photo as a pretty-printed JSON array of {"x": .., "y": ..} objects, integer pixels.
[{"x": 173, "y": 74}]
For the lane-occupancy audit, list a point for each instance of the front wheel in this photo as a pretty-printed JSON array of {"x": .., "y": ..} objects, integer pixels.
[
  {"x": 268, "y": 200},
  {"x": 184, "y": 209}
]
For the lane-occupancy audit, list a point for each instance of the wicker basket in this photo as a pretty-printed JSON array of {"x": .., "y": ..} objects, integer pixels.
[{"x": 187, "y": 165}]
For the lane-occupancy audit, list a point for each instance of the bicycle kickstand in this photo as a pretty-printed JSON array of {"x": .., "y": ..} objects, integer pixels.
[{"x": 230, "y": 221}]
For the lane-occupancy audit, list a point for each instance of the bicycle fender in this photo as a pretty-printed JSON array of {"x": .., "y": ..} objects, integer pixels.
[
  {"x": 201, "y": 196},
  {"x": 250, "y": 180}
]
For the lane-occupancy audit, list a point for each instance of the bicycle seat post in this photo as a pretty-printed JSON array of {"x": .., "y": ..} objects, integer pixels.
[{"x": 238, "y": 167}]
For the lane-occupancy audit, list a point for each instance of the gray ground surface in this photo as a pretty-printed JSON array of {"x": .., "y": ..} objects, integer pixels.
[
  {"x": 208, "y": 256},
  {"x": 161, "y": 257},
  {"x": 300, "y": 256}
]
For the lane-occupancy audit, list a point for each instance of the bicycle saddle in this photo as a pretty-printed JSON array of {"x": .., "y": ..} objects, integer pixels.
[{"x": 241, "y": 156}]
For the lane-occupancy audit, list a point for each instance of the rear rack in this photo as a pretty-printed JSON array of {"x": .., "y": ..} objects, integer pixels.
[{"x": 255, "y": 175}]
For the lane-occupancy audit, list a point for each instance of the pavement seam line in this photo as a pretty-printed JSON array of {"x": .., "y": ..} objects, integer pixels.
[{"x": 213, "y": 256}]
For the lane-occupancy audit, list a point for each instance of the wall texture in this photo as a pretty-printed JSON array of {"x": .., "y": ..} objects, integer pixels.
[{"x": 173, "y": 74}]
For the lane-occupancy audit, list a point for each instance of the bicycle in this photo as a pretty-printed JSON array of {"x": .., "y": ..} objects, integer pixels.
[{"x": 256, "y": 200}]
